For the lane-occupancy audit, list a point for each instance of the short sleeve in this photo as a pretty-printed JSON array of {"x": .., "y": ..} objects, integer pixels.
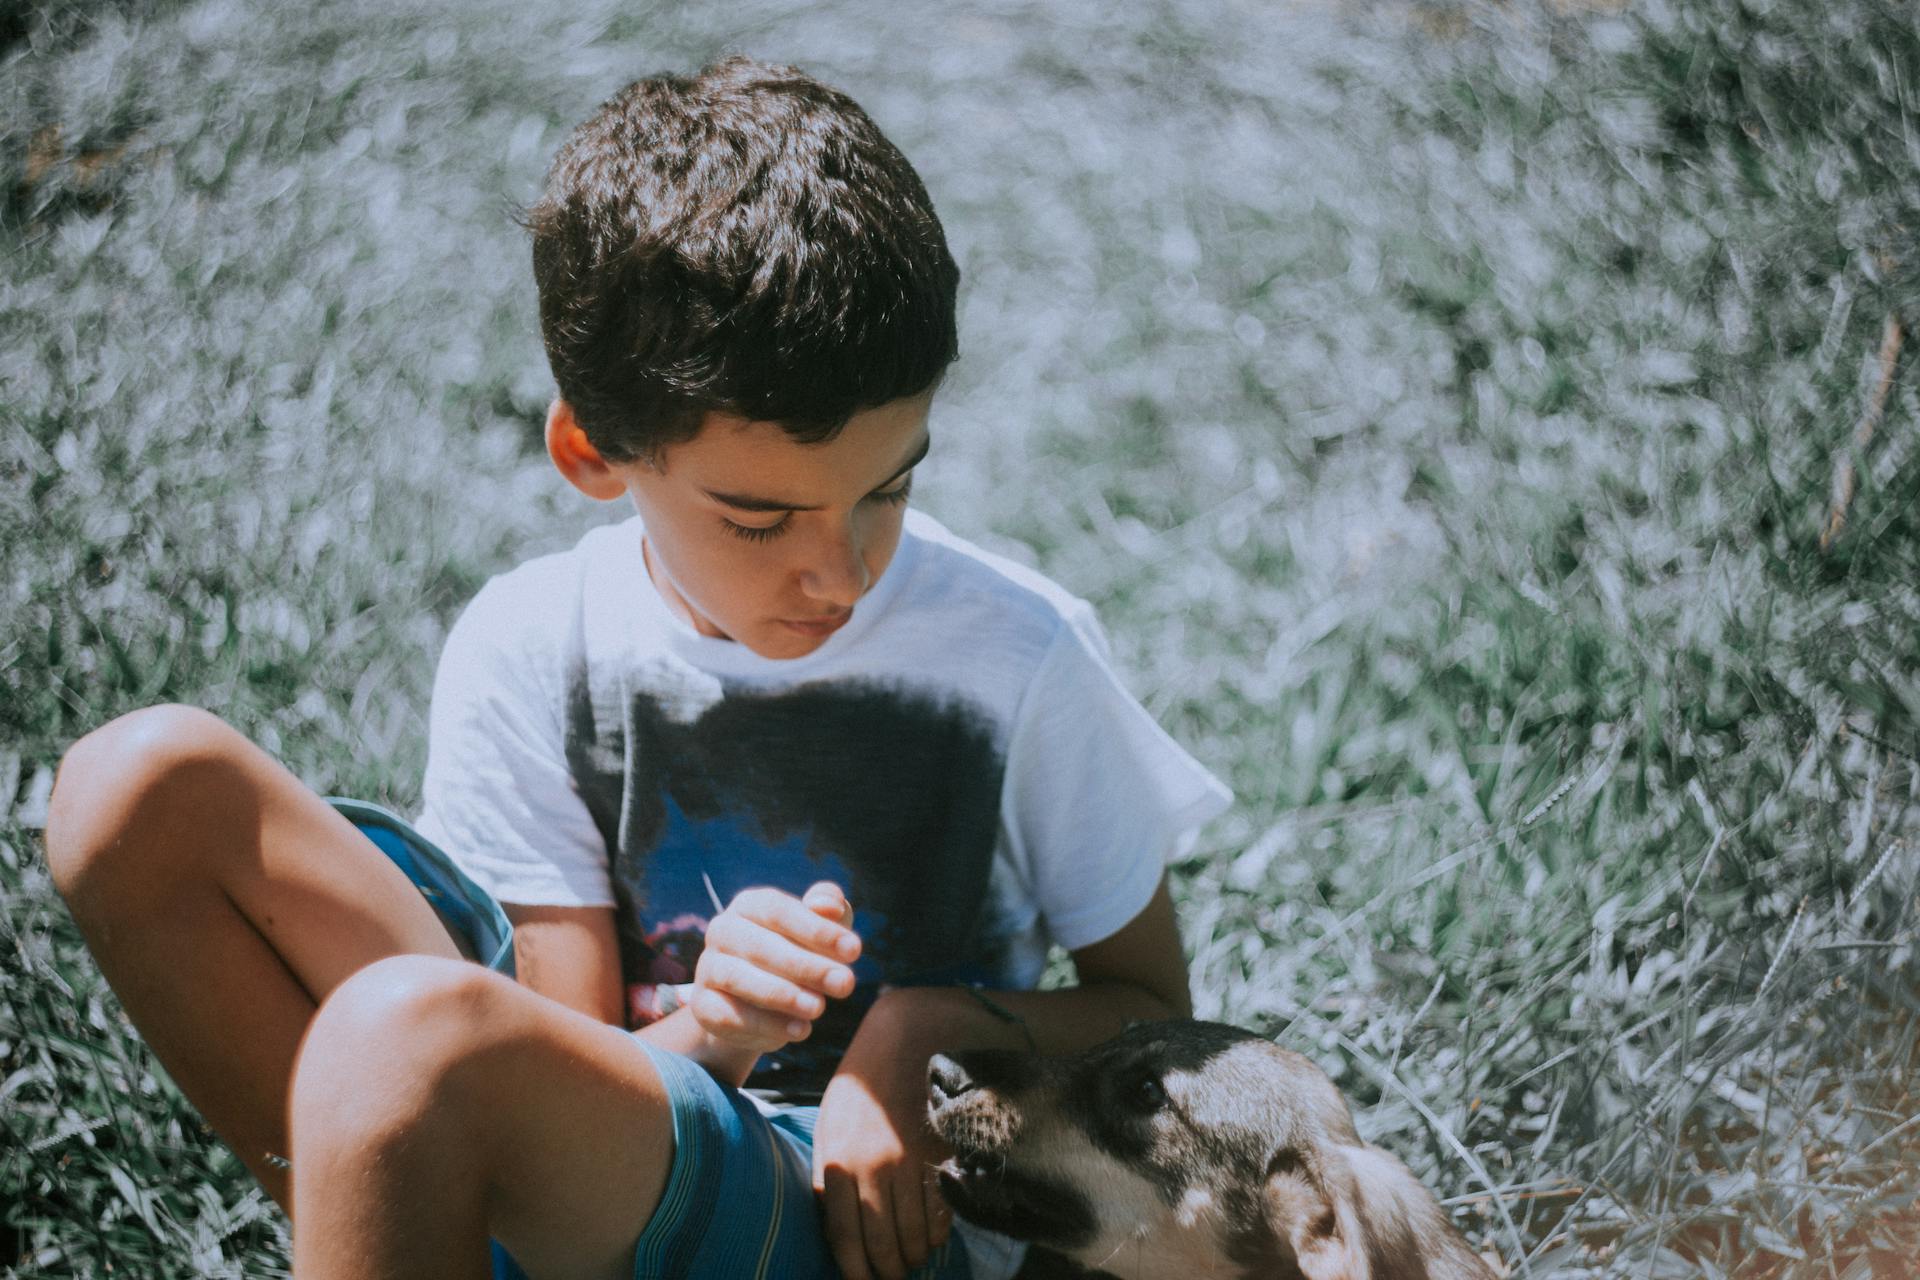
[
  {"x": 1098, "y": 797},
  {"x": 498, "y": 796}
]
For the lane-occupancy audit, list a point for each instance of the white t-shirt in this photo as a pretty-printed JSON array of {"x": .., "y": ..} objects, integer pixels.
[{"x": 959, "y": 756}]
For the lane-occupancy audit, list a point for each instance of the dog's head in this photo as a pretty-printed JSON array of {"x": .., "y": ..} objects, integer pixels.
[{"x": 1182, "y": 1149}]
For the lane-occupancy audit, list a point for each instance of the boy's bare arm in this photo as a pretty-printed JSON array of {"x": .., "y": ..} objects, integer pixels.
[
  {"x": 572, "y": 955},
  {"x": 872, "y": 1149},
  {"x": 759, "y": 988},
  {"x": 569, "y": 954},
  {"x": 1137, "y": 975}
]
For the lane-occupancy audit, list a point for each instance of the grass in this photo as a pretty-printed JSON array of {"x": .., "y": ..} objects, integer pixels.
[{"x": 1445, "y": 407}]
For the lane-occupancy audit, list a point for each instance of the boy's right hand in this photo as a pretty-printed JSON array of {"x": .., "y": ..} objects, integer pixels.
[{"x": 770, "y": 963}]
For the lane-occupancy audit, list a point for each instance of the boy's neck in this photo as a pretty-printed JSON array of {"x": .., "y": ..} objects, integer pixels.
[{"x": 675, "y": 601}]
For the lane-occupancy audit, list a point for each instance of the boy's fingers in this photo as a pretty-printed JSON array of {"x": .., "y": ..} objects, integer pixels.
[
  {"x": 878, "y": 1229},
  {"x": 789, "y": 916},
  {"x": 910, "y": 1214},
  {"x": 827, "y": 899},
  {"x": 939, "y": 1215},
  {"x": 755, "y": 986},
  {"x": 842, "y": 1208},
  {"x": 778, "y": 956},
  {"x": 735, "y": 1022}
]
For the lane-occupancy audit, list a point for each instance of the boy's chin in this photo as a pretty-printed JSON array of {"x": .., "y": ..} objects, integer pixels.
[
  {"x": 775, "y": 637},
  {"x": 778, "y": 640}
]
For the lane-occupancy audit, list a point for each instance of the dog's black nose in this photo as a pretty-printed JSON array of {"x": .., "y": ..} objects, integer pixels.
[{"x": 946, "y": 1079}]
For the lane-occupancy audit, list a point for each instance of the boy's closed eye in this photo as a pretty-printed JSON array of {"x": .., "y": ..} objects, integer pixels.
[{"x": 896, "y": 493}]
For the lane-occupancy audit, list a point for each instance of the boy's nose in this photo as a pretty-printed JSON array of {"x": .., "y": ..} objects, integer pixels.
[{"x": 837, "y": 573}]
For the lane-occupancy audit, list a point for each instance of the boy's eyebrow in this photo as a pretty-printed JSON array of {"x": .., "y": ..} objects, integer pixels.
[{"x": 746, "y": 502}]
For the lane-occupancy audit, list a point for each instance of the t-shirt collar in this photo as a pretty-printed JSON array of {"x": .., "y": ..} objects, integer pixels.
[{"x": 730, "y": 657}]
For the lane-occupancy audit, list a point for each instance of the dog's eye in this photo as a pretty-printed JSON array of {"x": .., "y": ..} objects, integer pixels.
[{"x": 1146, "y": 1093}]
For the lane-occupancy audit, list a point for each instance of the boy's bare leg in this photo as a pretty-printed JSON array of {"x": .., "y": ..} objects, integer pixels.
[
  {"x": 436, "y": 1103},
  {"x": 223, "y": 900}
]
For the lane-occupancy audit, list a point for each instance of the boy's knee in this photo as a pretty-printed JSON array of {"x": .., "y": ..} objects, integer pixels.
[
  {"x": 107, "y": 775},
  {"x": 386, "y": 1050}
]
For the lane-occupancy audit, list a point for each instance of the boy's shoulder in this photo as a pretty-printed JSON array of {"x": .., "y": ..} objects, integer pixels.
[
  {"x": 959, "y": 611},
  {"x": 951, "y": 571},
  {"x": 532, "y": 611},
  {"x": 557, "y": 575}
]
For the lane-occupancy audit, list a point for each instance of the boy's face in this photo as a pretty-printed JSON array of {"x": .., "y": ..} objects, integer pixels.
[{"x": 756, "y": 538}]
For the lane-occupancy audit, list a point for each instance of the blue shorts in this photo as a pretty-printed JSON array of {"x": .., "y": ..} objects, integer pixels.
[
  {"x": 739, "y": 1200},
  {"x": 468, "y": 911}
]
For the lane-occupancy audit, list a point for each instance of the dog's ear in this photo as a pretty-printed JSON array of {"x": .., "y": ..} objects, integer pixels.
[
  {"x": 1313, "y": 1207},
  {"x": 1355, "y": 1213}
]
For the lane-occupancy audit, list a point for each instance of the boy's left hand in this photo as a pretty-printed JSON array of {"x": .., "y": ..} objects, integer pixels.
[{"x": 874, "y": 1156}]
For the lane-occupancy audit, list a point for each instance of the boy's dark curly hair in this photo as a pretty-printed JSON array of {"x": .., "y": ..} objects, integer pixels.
[{"x": 744, "y": 241}]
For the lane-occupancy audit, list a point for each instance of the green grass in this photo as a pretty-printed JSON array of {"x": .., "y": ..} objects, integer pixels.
[{"x": 1443, "y": 406}]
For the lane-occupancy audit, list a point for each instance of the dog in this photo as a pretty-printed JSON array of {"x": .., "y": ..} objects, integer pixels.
[{"x": 1184, "y": 1150}]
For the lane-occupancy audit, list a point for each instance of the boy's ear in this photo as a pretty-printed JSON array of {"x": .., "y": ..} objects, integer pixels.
[{"x": 575, "y": 457}]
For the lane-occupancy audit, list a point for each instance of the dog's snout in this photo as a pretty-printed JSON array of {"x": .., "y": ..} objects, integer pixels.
[{"x": 946, "y": 1079}]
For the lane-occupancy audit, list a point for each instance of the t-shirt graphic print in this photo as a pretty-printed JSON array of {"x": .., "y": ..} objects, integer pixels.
[{"x": 889, "y": 792}]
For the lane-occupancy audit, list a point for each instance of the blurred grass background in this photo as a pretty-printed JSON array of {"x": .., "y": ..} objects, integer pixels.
[{"x": 1488, "y": 433}]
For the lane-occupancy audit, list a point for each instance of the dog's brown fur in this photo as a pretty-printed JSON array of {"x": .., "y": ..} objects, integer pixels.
[{"x": 1185, "y": 1150}]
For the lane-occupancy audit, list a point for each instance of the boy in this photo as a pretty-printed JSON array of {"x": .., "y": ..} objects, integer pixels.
[{"x": 903, "y": 765}]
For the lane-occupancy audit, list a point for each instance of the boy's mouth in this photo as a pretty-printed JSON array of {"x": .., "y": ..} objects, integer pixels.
[{"x": 818, "y": 627}]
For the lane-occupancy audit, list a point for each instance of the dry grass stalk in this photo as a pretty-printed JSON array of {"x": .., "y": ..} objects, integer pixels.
[{"x": 1843, "y": 467}]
